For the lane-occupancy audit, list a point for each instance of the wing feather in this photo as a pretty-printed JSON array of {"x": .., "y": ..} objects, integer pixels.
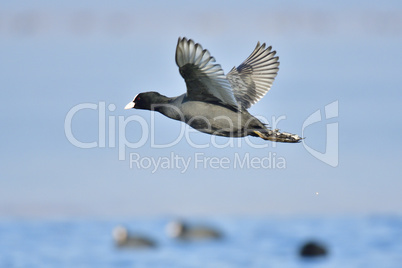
[
  {"x": 252, "y": 79},
  {"x": 204, "y": 79}
]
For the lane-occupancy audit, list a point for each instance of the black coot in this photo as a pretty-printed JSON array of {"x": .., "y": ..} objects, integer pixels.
[
  {"x": 214, "y": 103},
  {"x": 313, "y": 249}
]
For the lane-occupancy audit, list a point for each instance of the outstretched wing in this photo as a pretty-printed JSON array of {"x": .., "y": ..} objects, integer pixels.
[
  {"x": 205, "y": 80},
  {"x": 252, "y": 79}
]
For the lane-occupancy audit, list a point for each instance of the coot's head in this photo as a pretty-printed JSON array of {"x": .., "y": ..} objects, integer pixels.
[
  {"x": 120, "y": 234},
  {"x": 144, "y": 101},
  {"x": 175, "y": 229}
]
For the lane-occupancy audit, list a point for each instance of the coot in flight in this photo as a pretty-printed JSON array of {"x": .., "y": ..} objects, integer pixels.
[{"x": 214, "y": 103}]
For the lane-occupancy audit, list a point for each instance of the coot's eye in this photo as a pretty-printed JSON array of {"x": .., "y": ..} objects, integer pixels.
[{"x": 138, "y": 98}]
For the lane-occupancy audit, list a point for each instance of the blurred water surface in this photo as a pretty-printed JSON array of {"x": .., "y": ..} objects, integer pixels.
[{"x": 248, "y": 242}]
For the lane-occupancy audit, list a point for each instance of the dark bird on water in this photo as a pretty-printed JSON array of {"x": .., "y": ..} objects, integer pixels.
[
  {"x": 124, "y": 239},
  {"x": 313, "y": 249},
  {"x": 181, "y": 230},
  {"x": 214, "y": 103}
]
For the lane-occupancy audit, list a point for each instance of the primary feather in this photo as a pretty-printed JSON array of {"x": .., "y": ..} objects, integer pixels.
[
  {"x": 204, "y": 79},
  {"x": 252, "y": 79}
]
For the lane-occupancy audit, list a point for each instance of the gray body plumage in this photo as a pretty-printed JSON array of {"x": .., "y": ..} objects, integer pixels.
[{"x": 211, "y": 118}]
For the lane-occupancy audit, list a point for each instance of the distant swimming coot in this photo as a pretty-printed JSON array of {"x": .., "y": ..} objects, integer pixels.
[
  {"x": 214, "y": 103},
  {"x": 313, "y": 249},
  {"x": 180, "y": 230},
  {"x": 124, "y": 239}
]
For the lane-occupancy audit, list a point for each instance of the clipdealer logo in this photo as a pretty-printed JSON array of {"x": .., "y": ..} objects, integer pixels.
[
  {"x": 331, "y": 154},
  {"x": 201, "y": 160}
]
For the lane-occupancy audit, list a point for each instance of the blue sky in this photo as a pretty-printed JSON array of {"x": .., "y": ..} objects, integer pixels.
[{"x": 55, "y": 57}]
